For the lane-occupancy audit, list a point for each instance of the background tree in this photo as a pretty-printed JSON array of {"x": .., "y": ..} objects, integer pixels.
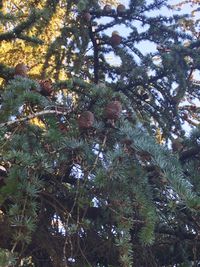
[{"x": 96, "y": 168}]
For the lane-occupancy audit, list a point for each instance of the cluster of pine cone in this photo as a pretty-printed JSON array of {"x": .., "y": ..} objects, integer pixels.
[{"x": 85, "y": 121}]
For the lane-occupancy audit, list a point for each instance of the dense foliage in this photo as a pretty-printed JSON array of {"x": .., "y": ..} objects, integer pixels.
[{"x": 96, "y": 164}]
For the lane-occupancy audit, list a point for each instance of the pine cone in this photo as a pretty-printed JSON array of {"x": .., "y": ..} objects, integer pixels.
[
  {"x": 86, "y": 120},
  {"x": 87, "y": 16},
  {"x": 107, "y": 9},
  {"x": 115, "y": 39},
  {"x": 121, "y": 9},
  {"x": 113, "y": 110},
  {"x": 21, "y": 69},
  {"x": 46, "y": 87},
  {"x": 177, "y": 144}
]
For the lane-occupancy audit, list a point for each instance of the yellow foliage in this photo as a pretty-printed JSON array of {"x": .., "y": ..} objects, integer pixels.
[
  {"x": 14, "y": 52},
  {"x": 111, "y": 2},
  {"x": 34, "y": 121},
  {"x": 37, "y": 122}
]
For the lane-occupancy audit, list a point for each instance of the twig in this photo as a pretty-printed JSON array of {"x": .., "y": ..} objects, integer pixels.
[
  {"x": 98, "y": 155},
  {"x": 96, "y": 54},
  {"x": 67, "y": 224},
  {"x": 125, "y": 218}
]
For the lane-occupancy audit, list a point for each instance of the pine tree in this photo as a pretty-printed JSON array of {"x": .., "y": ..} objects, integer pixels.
[{"x": 96, "y": 168}]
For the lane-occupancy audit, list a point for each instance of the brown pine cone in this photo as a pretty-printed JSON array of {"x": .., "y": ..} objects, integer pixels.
[
  {"x": 177, "y": 144},
  {"x": 21, "y": 70},
  {"x": 115, "y": 39},
  {"x": 86, "y": 16},
  {"x": 121, "y": 9},
  {"x": 113, "y": 110},
  {"x": 46, "y": 87},
  {"x": 107, "y": 8},
  {"x": 86, "y": 120}
]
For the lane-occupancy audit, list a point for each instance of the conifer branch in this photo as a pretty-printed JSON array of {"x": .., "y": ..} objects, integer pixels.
[
  {"x": 6, "y": 72},
  {"x": 20, "y": 27},
  {"x": 31, "y": 116}
]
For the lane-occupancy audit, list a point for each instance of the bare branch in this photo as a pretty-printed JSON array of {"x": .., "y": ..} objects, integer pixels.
[{"x": 31, "y": 116}]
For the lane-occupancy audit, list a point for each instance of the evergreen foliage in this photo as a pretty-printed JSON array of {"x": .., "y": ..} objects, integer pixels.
[{"x": 117, "y": 189}]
